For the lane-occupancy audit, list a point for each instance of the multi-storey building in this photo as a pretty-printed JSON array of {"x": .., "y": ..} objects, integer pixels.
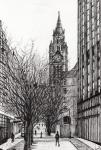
[
  {"x": 7, "y": 124},
  {"x": 89, "y": 69},
  {"x": 59, "y": 76}
]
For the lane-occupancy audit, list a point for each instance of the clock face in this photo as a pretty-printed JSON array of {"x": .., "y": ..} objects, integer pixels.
[{"x": 57, "y": 58}]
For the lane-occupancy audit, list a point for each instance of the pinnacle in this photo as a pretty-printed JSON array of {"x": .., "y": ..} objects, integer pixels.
[
  {"x": 58, "y": 29},
  {"x": 59, "y": 20}
]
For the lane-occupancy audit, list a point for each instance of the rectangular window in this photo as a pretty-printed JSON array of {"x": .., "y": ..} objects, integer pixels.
[
  {"x": 88, "y": 46},
  {"x": 88, "y": 91},
  {"x": 88, "y": 38},
  {"x": 93, "y": 41},
  {"x": 98, "y": 37},
  {"x": 98, "y": 22},
  {"x": 89, "y": 68},
  {"x": 92, "y": 10},
  {"x": 88, "y": 12},
  {"x": 98, "y": 6},
  {"x": 99, "y": 72},
  {"x": 98, "y": 30},
  {"x": 88, "y": 79},
  {"x": 88, "y": 32},
  {"x": 93, "y": 84},
  {"x": 92, "y": 50},
  {"x": 66, "y": 119},
  {"x": 87, "y": 6},
  {"x": 98, "y": 16}
]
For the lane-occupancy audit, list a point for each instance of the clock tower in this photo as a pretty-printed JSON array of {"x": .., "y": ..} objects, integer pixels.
[{"x": 58, "y": 50}]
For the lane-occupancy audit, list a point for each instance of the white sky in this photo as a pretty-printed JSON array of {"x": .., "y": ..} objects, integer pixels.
[{"x": 35, "y": 20}]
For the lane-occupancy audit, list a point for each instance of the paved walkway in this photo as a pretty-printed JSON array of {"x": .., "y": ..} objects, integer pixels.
[
  {"x": 51, "y": 146},
  {"x": 48, "y": 143},
  {"x": 7, "y": 145}
]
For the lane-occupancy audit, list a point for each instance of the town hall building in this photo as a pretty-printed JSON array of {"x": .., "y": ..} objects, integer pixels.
[{"x": 59, "y": 76}]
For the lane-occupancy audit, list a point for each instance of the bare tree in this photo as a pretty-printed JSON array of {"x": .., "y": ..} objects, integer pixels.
[
  {"x": 24, "y": 91},
  {"x": 20, "y": 85}
]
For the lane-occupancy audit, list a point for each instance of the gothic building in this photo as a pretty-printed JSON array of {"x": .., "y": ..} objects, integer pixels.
[
  {"x": 89, "y": 69},
  {"x": 58, "y": 50},
  {"x": 60, "y": 76}
]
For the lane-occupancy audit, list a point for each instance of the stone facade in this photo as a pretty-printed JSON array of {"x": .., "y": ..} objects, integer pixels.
[
  {"x": 89, "y": 69},
  {"x": 68, "y": 128}
]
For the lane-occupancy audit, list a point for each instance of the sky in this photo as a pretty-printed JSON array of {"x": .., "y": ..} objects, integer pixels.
[{"x": 35, "y": 20}]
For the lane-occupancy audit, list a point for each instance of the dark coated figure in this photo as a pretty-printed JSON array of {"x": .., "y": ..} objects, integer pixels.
[
  {"x": 41, "y": 134},
  {"x": 35, "y": 132},
  {"x": 12, "y": 137},
  {"x": 57, "y": 138}
]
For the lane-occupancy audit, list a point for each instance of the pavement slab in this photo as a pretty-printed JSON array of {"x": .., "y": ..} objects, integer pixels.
[
  {"x": 91, "y": 144},
  {"x": 64, "y": 145},
  {"x": 9, "y": 144},
  {"x": 48, "y": 143}
]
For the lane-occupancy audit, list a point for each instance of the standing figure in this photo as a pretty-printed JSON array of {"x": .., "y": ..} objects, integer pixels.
[
  {"x": 12, "y": 137},
  {"x": 57, "y": 138},
  {"x": 41, "y": 134},
  {"x": 35, "y": 132}
]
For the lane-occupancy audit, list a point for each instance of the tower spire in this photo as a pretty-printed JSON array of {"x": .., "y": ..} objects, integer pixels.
[
  {"x": 58, "y": 13},
  {"x": 58, "y": 30},
  {"x": 59, "y": 20}
]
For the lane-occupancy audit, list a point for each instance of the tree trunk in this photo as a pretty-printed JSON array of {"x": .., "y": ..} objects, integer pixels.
[
  {"x": 27, "y": 136},
  {"x": 48, "y": 127},
  {"x": 31, "y": 133},
  {"x": 49, "y": 131}
]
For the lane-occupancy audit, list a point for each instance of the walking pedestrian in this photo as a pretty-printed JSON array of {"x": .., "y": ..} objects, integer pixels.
[
  {"x": 57, "y": 138},
  {"x": 12, "y": 137}
]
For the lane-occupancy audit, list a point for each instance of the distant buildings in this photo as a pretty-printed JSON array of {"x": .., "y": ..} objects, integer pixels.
[
  {"x": 39, "y": 128},
  {"x": 60, "y": 76},
  {"x": 89, "y": 69}
]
